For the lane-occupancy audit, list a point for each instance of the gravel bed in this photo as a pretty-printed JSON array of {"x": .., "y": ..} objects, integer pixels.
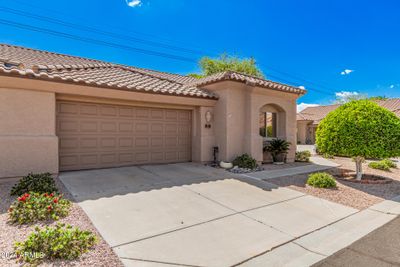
[
  {"x": 359, "y": 196},
  {"x": 100, "y": 255},
  {"x": 271, "y": 166}
]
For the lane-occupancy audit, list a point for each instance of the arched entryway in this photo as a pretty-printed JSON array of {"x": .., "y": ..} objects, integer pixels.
[
  {"x": 272, "y": 122},
  {"x": 272, "y": 125}
]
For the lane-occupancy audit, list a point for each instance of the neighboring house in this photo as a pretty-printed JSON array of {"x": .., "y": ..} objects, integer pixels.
[
  {"x": 60, "y": 112},
  {"x": 309, "y": 118}
]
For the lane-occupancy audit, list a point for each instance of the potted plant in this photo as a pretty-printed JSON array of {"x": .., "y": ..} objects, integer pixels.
[{"x": 278, "y": 149}]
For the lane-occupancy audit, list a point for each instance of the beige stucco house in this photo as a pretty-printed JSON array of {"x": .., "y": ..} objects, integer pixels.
[
  {"x": 59, "y": 112},
  {"x": 309, "y": 118}
]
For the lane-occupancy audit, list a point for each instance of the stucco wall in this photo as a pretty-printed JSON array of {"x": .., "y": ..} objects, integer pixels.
[
  {"x": 237, "y": 119},
  {"x": 302, "y": 131},
  {"x": 27, "y": 132}
]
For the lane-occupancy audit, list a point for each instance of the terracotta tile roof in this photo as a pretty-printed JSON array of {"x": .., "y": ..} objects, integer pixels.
[
  {"x": 316, "y": 114},
  {"x": 30, "y": 63},
  {"x": 251, "y": 80},
  {"x": 51, "y": 66}
]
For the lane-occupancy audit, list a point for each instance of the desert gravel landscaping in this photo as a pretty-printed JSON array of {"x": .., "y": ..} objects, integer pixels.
[
  {"x": 359, "y": 196},
  {"x": 100, "y": 255}
]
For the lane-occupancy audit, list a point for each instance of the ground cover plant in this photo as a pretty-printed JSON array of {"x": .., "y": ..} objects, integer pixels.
[
  {"x": 33, "y": 207},
  {"x": 58, "y": 242},
  {"x": 385, "y": 165}
]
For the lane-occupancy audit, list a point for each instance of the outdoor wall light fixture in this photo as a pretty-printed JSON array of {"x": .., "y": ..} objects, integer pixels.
[{"x": 208, "y": 117}]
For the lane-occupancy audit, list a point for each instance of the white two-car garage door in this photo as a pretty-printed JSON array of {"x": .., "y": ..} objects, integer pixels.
[{"x": 101, "y": 135}]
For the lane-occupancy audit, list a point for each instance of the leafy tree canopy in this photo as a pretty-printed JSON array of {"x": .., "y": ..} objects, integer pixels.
[
  {"x": 360, "y": 129},
  {"x": 225, "y": 62},
  {"x": 345, "y": 97},
  {"x": 378, "y": 98}
]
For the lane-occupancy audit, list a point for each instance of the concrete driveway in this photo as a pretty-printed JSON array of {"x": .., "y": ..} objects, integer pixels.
[{"x": 192, "y": 215}]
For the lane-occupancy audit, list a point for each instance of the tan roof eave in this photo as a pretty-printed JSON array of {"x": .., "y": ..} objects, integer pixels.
[{"x": 278, "y": 86}]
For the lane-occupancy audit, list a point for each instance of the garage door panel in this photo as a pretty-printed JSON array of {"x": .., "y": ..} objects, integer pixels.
[
  {"x": 142, "y": 142},
  {"x": 88, "y": 109},
  {"x": 141, "y": 128},
  {"x": 87, "y": 143},
  {"x": 67, "y": 126},
  {"x": 126, "y": 112},
  {"x": 108, "y": 126},
  {"x": 142, "y": 113},
  {"x": 157, "y": 114},
  {"x": 88, "y": 126},
  {"x": 108, "y": 111},
  {"x": 126, "y": 158},
  {"x": 126, "y": 142},
  {"x": 68, "y": 108},
  {"x": 97, "y": 135}
]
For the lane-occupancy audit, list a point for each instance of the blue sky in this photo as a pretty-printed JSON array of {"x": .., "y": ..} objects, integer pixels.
[{"x": 326, "y": 46}]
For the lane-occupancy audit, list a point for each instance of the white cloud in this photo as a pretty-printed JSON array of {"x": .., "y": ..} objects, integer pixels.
[
  {"x": 302, "y": 87},
  {"x": 303, "y": 106},
  {"x": 346, "y": 94},
  {"x": 391, "y": 86},
  {"x": 133, "y": 3},
  {"x": 346, "y": 72}
]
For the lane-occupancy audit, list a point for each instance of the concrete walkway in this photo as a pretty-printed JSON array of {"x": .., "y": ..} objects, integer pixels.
[
  {"x": 318, "y": 164},
  {"x": 192, "y": 215},
  {"x": 379, "y": 248}
]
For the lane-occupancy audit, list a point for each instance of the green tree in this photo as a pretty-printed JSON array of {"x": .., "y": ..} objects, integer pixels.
[
  {"x": 360, "y": 129},
  {"x": 378, "y": 98},
  {"x": 225, "y": 62}
]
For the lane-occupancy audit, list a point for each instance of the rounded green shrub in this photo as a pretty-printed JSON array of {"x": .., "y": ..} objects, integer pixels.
[
  {"x": 59, "y": 242},
  {"x": 321, "y": 180},
  {"x": 39, "y": 183},
  {"x": 245, "y": 161},
  {"x": 359, "y": 129},
  {"x": 33, "y": 207}
]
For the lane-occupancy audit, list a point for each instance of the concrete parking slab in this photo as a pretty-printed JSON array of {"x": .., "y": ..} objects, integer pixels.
[
  {"x": 94, "y": 184},
  {"x": 130, "y": 217},
  {"x": 301, "y": 215},
  {"x": 139, "y": 263},
  {"x": 222, "y": 242},
  {"x": 193, "y": 215},
  {"x": 289, "y": 255},
  {"x": 241, "y": 196}
]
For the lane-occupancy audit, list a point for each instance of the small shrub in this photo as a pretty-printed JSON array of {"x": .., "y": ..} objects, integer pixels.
[
  {"x": 379, "y": 166},
  {"x": 321, "y": 180},
  {"x": 384, "y": 165},
  {"x": 303, "y": 156},
  {"x": 389, "y": 163},
  {"x": 39, "y": 183},
  {"x": 327, "y": 156},
  {"x": 59, "y": 242},
  {"x": 32, "y": 207},
  {"x": 245, "y": 161}
]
